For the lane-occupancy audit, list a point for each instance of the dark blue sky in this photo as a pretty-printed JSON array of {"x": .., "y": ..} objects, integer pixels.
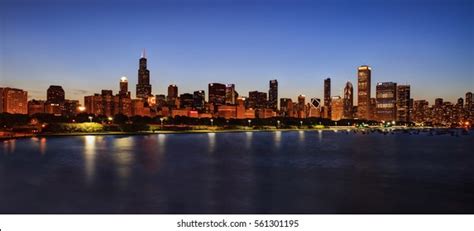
[{"x": 87, "y": 46}]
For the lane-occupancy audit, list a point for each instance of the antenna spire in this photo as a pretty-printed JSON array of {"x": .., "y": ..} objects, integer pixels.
[{"x": 144, "y": 53}]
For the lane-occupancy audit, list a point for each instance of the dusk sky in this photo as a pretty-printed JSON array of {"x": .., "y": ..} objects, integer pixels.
[{"x": 87, "y": 46}]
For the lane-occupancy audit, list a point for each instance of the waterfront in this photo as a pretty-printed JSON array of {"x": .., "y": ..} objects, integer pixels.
[{"x": 244, "y": 172}]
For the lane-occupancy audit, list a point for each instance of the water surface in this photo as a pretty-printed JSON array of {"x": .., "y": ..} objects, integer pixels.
[{"x": 259, "y": 172}]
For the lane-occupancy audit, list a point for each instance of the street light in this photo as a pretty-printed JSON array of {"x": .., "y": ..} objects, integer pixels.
[
  {"x": 90, "y": 118},
  {"x": 161, "y": 119},
  {"x": 212, "y": 122},
  {"x": 278, "y": 124},
  {"x": 250, "y": 121},
  {"x": 301, "y": 123}
]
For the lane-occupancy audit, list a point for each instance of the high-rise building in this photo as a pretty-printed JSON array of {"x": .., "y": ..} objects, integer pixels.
[
  {"x": 273, "y": 95},
  {"x": 240, "y": 108},
  {"x": 55, "y": 94},
  {"x": 469, "y": 101},
  {"x": 301, "y": 106},
  {"x": 172, "y": 95},
  {"x": 257, "y": 100},
  {"x": 199, "y": 98},
  {"x": 13, "y": 101},
  {"x": 337, "y": 106},
  {"x": 107, "y": 104},
  {"x": 70, "y": 107},
  {"x": 124, "y": 87},
  {"x": 286, "y": 107},
  {"x": 160, "y": 101},
  {"x": 386, "y": 98},
  {"x": 327, "y": 96},
  {"x": 363, "y": 92},
  {"x": 230, "y": 94},
  {"x": 143, "y": 86},
  {"x": 216, "y": 94},
  {"x": 186, "y": 100},
  {"x": 420, "y": 111},
  {"x": 348, "y": 101},
  {"x": 403, "y": 103}
]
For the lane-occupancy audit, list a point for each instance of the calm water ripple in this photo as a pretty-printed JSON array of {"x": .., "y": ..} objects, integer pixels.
[{"x": 259, "y": 172}]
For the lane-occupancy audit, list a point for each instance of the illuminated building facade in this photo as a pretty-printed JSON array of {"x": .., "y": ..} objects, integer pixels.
[
  {"x": 337, "y": 106},
  {"x": 348, "y": 101},
  {"x": 199, "y": 100},
  {"x": 403, "y": 103},
  {"x": 230, "y": 94},
  {"x": 172, "y": 95},
  {"x": 143, "y": 86},
  {"x": 35, "y": 107},
  {"x": 257, "y": 100},
  {"x": 363, "y": 92},
  {"x": 386, "y": 99},
  {"x": 273, "y": 95},
  {"x": 13, "y": 101},
  {"x": 286, "y": 107},
  {"x": 327, "y": 96},
  {"x": 216, "y": 94}
]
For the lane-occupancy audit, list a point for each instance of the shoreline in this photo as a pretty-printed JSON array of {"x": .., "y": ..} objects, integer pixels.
[{"x": 335, "y": 129}]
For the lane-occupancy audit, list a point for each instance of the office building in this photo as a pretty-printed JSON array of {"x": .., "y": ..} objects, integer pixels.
[
  {"x": 386, "y": 99},
  {"x": 363, "y": 92},
  {"x": 143, "y": 86},
  {"x": 273, "y": 95}
]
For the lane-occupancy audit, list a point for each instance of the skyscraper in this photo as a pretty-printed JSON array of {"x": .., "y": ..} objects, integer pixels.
[
  {"x": 348, "y": 101},
  {"x": 257, "y": 100},
  {"x": 217, "y": 93},
  {"x": 143, "y": 86},
  {"x": 14, "y": 101},
  {"x": 301, "y": 106},
  {"x": 403, "y": 103},
  {"x": 172, "y": 95},
  {"x": 273, "y": 95},
  {"x": 186, "y": 100},
  {"x": 386, "y": 99},
  {"x": 469, "y": 101},
  {"x": 55, "y": 94},
  {"x": 363, "y": 92},
  {"x": 420, "y": 111},
  {"x": 327, "y": 96},
  {"x": 124, "y": 87},
  {"x": 199, "y": 98},
  {"x": 337, "y": 106},
  {"x": 230, "y": 94},
  {"x": 286, "y": 107}
]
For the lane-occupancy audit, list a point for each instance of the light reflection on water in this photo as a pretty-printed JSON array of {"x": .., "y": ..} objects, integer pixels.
[
  {"x": 212, "y": 141},
  {"x": 248, "y": 136},
  {"x": 89, "y": 157},
  {"x": 123, "y": 158},
  {"x": 277, "y": 139},
  {"x": 238, "y": 173},
  {"x": 9, "y": 146},
  {"x": 301, "y": 136}
]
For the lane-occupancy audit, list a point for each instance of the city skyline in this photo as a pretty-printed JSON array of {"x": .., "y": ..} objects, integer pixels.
[{"x": 426, "y": 57}]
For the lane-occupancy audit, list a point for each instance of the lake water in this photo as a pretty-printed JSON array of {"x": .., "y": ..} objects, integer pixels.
[{"x": 259, "y": 172}]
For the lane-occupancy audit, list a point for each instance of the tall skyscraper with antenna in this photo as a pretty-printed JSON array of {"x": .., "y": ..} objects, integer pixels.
[{"x": 143, "y": 86}]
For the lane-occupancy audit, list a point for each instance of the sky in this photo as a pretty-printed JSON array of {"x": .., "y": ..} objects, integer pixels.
[{"x": 86, "y": 46}]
